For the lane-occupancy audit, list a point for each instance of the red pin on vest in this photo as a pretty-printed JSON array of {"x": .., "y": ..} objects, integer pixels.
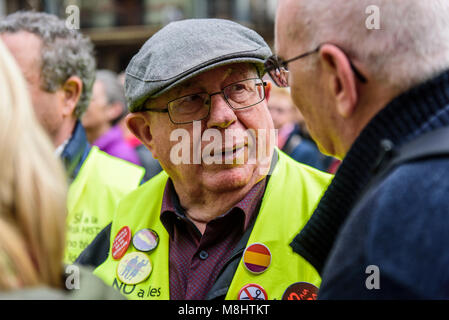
[{"x": 121, "y": 242}]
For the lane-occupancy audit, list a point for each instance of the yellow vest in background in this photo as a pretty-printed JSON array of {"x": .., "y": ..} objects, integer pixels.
[
  {"x": 290, "y": 197},
  {"x": 93, "y": 197}
]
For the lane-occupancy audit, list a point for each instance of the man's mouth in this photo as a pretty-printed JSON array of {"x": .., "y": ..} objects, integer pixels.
[
  {"x": 229, "y": 151},
  {"x": 229, "y": 154}
]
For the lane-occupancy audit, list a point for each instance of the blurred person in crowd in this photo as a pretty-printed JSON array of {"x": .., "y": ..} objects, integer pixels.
[
  {"x": 201, "y": 80},
  {"x": 290, "y": 139},
  {"x": 151, "y": 165},
  {"x": 378, "y": 98},
  {"x": 33, "y": 203},
  {"x": 330, "y": 164},
  {"x": 59, "y": 68},
  {"x": 106, "y": 108}
]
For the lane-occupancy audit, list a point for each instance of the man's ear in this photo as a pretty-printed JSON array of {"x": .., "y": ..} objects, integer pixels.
[
  {"x": 340, "y": 78},
  {"x": 72, "y": 89},
  {"x": 138, "y": 124}
]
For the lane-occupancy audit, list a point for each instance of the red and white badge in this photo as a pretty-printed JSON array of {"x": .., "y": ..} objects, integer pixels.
[
  {"x": 121, "y": 242},
  {"x": 252, "y": 291}
]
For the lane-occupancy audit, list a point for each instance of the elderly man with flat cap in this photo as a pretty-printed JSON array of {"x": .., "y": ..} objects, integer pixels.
[{"x": 216, "y": 223}]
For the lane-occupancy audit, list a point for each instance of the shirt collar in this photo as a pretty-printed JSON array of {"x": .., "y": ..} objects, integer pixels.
[
  {"x": 61, "y": 147},
  {"x": 171, "y": 209}
]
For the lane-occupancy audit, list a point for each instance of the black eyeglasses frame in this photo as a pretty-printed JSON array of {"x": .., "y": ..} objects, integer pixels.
[
  {"x": 275, "y": 63},
  {"x": 166, "y": 110}
]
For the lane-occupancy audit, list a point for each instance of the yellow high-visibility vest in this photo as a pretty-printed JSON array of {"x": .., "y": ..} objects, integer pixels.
[
  {"x": 93, "y": 197},
  {"x": 291, "y": 195}
]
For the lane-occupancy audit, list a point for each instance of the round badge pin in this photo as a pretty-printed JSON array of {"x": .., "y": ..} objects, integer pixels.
[
  {"x": 145, "y": 240},
  {"x": 257, "y": 258},
  {"x": 134, "y": 268},
  {"x": 300, "y": 291},
  {"x": 252, "y": 291},
  {"x": 121, "y": 242}
]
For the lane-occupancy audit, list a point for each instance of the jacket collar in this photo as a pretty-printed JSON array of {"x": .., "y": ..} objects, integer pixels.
[
  {"x": 75, "y": 152},
  {"x": 417, "y": 111}
]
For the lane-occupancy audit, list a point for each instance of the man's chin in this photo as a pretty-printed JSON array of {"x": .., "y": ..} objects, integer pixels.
[{"x": 229, "y": 179}]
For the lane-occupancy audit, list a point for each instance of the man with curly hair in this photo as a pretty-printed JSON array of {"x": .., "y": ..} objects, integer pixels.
[{"x": 59, "y": 67}]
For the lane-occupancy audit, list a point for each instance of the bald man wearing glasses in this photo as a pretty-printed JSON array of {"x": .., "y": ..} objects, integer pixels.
[{"x": 379, "y": 100}]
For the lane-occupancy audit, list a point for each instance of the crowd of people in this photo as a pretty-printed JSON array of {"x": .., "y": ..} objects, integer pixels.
[{"x": 215, "y": 168}]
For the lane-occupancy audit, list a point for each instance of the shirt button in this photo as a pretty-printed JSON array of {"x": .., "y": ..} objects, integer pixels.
[{"x": 203, "y": 255}]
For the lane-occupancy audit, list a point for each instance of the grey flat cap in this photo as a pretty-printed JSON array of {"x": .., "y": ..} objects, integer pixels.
[{"x": 184, "y": 49}]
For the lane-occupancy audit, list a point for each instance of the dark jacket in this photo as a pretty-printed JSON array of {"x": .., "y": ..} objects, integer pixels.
[
  {"x": 75, "y": 152},
  {"x": 399, "y": 227}
]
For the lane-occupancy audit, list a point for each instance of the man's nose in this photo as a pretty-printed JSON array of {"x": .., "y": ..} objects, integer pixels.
[{"x": 221, "y": 114}]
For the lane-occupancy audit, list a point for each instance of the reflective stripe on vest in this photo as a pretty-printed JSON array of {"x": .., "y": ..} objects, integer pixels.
[
  {"x": 290, "y": 197},
  {"x": 93, "y": 197}
]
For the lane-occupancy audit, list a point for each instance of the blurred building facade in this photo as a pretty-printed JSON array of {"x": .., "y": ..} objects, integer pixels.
[{"x": 118, "y": 28}]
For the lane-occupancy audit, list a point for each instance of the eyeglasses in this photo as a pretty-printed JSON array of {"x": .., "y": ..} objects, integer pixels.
[
  {"x": 278, "y": 70},
  {"x": 195, "y": 107}
]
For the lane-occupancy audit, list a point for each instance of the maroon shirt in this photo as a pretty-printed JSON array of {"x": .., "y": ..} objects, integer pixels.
[{"x": 195, "y": 259}]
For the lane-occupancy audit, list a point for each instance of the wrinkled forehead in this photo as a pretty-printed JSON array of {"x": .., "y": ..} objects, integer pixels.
[
  {"x": 223, "y": 74},
  {"x": 215, "y": 78}
]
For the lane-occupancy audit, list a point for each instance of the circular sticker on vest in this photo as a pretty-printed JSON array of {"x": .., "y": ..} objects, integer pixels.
[
  {"x": 145, "y": 240},
  {"x": 257, "y": 258},
  {"x": 252, "y": 291},
  {"x": 301, "y": 291},
  {"x": 134, "y": 268},
  {"x": 121, "y": 242}
]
